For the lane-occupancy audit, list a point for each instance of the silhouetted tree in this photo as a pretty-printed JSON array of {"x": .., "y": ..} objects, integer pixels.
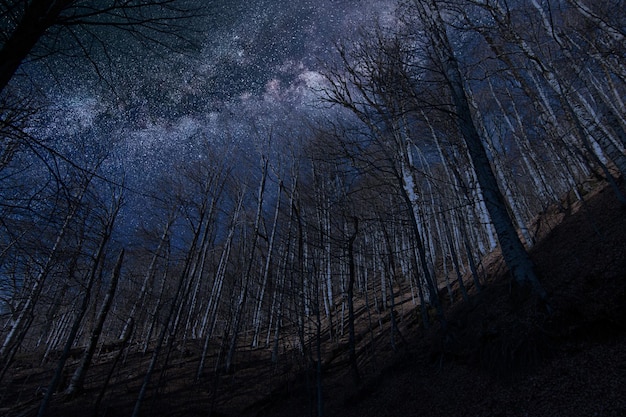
[{"x": 71, "y": 26}]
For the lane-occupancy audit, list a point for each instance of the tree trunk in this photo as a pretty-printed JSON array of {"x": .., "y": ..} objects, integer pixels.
[
  {"x": 243, "y": 296},
  {"x": 256, "y": 321},
  {"x": 17, "y": 326},
  {"x": 350, "y": 294},
  {"x": 78, "y": 378},
  {"x": 168, "y": 323},
  {"x": 125, "y": 338},
  {"x": 91, "y": 278},
  {"x": 517, "y": 259},
  {"x": 149, "y": 276},
  {"x": 210, "y": 314},
  {"x": 38, "y": 17},
  {"x": 455, "y": 259}
]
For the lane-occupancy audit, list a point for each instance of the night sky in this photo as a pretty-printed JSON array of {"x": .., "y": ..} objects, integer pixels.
[
  {"x": 253, "y": 69},
  {"x": 255, "y": 64}
]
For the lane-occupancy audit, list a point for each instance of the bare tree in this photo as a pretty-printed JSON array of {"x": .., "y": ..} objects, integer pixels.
[
  {"x": 38, "y": 28},
  {"x": 94, "y": 272},
  {"x": 350, "y": 294},
  {"x": 75, "y": 385},
  {"x": 240, "y": 303},
  {"x": 375, "y": 84},
  {"x": 21, "y": 320},
  {"x": 513, "y": 251}
]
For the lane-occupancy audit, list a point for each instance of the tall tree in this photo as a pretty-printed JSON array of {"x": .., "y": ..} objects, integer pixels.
[
  {"x": 375, "y": 86},
  {"x": 240, "y": 303},
  {"x": 350, "y": 294},
  {"x": 97, "y": 262},
  {"x": 78, "y": 377},
  {"x": 517, "y": 259}
]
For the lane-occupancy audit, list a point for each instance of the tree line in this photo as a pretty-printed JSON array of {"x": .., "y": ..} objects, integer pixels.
[{"x": 451, "y": 132}]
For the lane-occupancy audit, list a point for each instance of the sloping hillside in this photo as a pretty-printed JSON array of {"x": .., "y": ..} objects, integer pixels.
[
  {"x": 496, "y": 356},
  {"x": 502, "y": 357}
]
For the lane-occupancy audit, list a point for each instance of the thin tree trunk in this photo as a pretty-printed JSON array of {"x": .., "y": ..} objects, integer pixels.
[
  {"x": 33, "y": 298},
  {"x": 256, "y": 321},
  {"x": 148, "y": 276},
  {"x": 350, "y": 293},
  {"x": 154, "y": 314},
  {"x": 248, "y": 272},
  {"x": 455, "y": 259},
  {"x": 91, "y": 278},
  {"x": 78, "y": 378},
  {"x": 164, "y": 332},
  {"x": 123, "y": 343},
  {"x": 210, "y": 315}
]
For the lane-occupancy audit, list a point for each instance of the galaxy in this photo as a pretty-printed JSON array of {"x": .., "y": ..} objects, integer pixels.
[
  {"x": 247, "y": 70},
  {"x": 253, "y": 64}
]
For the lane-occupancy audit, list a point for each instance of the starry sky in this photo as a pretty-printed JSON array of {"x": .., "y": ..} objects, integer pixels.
[
  {"x": 253, "y": 69},
  {"x": 254, "y": 66},
  {"x": 279, "y": 40}
]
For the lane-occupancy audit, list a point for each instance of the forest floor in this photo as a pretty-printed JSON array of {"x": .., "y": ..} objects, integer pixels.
[
  {"x": 498, "y": 355},
  {"x": 501, "y": 356}
]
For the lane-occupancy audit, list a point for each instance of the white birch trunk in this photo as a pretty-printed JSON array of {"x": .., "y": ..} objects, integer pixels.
[
  {"x": 209, "y": 319},
  {"x": 243, "y": 295},
  {"x": 256, "y": 321}
]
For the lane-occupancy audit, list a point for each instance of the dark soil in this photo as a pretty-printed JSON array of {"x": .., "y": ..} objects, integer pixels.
[
  {"x": 498, "y": 355},
  {"x": 505, "y": 358}
]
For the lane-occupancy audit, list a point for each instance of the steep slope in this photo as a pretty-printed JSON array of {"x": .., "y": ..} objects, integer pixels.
[
  {"x": 496, "y": 356},
  {"x": 501, "y": 356}
]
